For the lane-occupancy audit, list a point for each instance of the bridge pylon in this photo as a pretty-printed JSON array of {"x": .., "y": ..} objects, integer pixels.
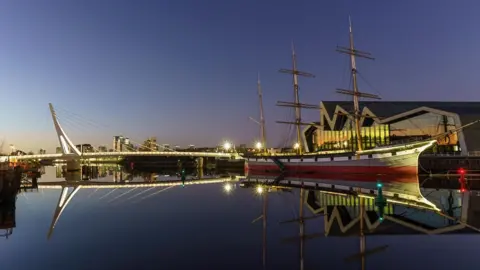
[
  {"x": 68, "y": 148},
  {"x": 63, "y": 201}
]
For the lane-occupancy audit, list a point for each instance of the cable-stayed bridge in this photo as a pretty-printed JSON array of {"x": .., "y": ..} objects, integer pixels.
[{"x": 71, "y": 152}]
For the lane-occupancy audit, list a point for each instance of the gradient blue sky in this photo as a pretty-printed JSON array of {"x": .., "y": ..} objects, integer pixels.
[{"x": 185, "y": 70}]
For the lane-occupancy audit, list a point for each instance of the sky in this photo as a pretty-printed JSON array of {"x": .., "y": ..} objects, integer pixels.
[{"x": 186, "y": 71}]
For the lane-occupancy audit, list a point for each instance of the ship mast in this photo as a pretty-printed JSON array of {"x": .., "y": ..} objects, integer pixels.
[
  {"x": 296, "y": 104},
  {"x": 298, "y": 112},
  {"x": 355, "y": 93},
  {"x": 262, "y": 119}
]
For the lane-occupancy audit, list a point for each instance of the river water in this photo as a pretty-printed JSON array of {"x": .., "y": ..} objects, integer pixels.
[{"x": 204, "y": 226}]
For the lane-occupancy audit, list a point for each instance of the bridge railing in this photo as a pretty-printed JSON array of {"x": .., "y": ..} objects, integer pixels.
[{"x": 123, "y": 154}]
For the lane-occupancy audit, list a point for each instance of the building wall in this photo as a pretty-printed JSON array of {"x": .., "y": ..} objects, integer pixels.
[
  {"x": 335, "y": 132},
  {"x": 471, "y": 133}
]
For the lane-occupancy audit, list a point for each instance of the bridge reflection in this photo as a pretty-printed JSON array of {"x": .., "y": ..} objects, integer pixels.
[
  {"x": 353, "y": 213},
  {"x": 119, "y": 174},
  {"x": 147, "y": 184},
  {"x": 70, "y": 188}
]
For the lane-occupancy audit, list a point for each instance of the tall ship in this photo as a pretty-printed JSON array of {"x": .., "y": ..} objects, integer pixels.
[{"x": 398, "y": 159}]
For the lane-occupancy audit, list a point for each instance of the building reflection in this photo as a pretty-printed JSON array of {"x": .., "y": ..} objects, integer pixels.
[
  {"x": 122, "y": 175},
  {"x": 92, "y": 171},
  {"x": 348, "y": 213}
]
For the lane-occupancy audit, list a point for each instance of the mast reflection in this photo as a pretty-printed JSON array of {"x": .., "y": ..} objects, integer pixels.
[
  {"x": 350, "y": 211},
  {"x": 264, "y": 193}
]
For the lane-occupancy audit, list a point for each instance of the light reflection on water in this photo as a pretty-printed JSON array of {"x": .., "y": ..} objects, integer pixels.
[{"x": 199, "y": 226}]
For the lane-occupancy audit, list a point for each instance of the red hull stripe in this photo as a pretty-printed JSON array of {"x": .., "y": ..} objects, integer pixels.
[
  {"x": 321, "y": 171},
  {"x": 339, "y": 177}
]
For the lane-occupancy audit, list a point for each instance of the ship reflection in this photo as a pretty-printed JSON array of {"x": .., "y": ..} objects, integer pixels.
[{"x": 429, "y": 208}]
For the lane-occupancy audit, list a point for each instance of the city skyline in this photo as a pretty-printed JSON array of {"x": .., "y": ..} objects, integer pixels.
[{"x": 186, "y": 71}]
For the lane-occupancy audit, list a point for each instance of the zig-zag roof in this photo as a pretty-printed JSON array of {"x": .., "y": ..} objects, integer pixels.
[
  {"x": 388, "y": 112},
  {"x": 384, "y": 109}
]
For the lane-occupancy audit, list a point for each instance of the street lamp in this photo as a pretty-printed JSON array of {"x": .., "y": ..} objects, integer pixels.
[
  {"x": 296, "y": 146},
  {"x": 227, "y": 146},
  {"x": 259, "y": 190},
  {"x": 258, "y": 145}
]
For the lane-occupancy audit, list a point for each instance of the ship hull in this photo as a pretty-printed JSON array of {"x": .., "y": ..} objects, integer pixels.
[{"x": 398, "y": 161}]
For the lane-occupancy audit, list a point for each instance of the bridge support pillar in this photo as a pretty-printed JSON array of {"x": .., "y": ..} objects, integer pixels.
[
  {"x": 200, "y": 167},
  {"x": 73, "y": 165}
]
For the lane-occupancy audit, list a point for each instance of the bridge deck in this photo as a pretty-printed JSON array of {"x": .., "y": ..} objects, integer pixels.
[{"x": 119, "y": 154}]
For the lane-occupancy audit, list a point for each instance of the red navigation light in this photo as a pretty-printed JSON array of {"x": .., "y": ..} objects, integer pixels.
[{"x": 462, "y": 180}]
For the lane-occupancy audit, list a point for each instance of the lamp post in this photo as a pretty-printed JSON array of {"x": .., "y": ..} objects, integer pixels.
[
  {"x": 296, "y": 146},
  {"x": 227, "y": 146},
  {"x": 258, "y": 146}
]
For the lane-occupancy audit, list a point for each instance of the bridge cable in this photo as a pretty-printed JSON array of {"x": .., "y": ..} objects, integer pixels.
[
  {"x": 73, "y": 118},
  {"x": 140, "y": 193},
  {"x": 108, "y": 193},
  {"x": 152, "y": 194},
  {"x": 80, "y": 117},
  {"x": 121, "y": 195}
]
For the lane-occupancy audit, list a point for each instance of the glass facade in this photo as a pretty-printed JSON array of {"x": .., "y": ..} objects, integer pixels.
[
  {"x": 346, "y": 139},
  {"x": 417, "y": 127},
  {"x": 424, "y": 126}
]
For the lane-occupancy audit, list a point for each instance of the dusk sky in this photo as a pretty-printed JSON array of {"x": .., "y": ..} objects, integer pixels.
[{"x": 186, "y": 70}]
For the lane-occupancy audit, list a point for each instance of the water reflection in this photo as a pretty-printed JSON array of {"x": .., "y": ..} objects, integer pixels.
[
  {"x": 7, "y": 216},
  {"x": 147, "y": 184},
  {"x": 125, "y": 174},
  {"x": 354, "y": 211},
  {"x": 202, "y": 218}
]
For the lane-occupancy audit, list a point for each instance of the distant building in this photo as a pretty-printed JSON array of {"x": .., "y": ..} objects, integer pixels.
[
  {"x": 102, "y": 148},
  {"x": 58, "y": 150},
  {"x": 18, "y": 153},
  {"x": 85, "y": 148},
  {"x": 122, "y": 144},
  {"x": 42, "y": 151},
  {"x": 149, "y": 145},
  {"x": 165, "y": 147},
  {"x": 117, "y": 143}
]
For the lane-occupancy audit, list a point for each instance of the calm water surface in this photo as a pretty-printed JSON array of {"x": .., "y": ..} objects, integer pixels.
[{"x": 200, "y": 227}]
